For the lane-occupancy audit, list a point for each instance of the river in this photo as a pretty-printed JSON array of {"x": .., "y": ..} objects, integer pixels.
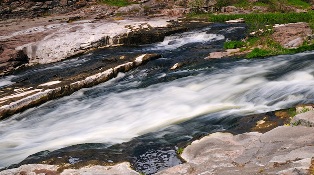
[{"x": 173, "y": 104}]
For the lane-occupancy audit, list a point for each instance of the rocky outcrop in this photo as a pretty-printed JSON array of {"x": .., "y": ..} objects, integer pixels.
[
  {"x": 35, "y": 8},
  {"x": 283, "y": 150},
  {"x": 19, "y": 100},
  {"x": 121, "y": 168},
  {"x": 292, "y": 35},
  {"x": 74, "y": 39}
]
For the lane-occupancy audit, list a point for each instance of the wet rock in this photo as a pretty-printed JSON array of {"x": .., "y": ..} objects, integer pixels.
[
  {"x": 304, "y": 119},
  {"x": 15, "y": 102},
  {"x": 291, "y": 35},
  {"x": 278, "y": 151}
]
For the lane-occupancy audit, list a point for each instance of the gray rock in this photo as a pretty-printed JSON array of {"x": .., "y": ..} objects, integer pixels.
[
  {"x": 283, "y": 150},
  {"x": 294, "y": 43},
  {"x": 131, "y": 8},
  {"x": 304, "y": 119}
]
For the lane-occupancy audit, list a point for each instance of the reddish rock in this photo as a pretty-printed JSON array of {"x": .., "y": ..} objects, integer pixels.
[{"x": 291, "y": 35}]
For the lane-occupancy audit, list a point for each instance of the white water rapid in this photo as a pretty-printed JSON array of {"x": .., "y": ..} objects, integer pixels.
[{"x": 247, "y": 87}]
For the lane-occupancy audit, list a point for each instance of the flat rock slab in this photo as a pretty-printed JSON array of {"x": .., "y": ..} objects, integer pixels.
[
  {"x": 283, "y": 150},
  {"x": 304, "y": 119},
  {"x": 121, "y": 168}
]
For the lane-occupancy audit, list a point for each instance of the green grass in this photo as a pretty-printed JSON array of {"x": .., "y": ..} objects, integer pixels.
[
  {"x": 180, "y": 150},
  {"x": 233, "y": 44},
  {"x": 257, "y": 52},
  {"x": 119, "y": 3},
  {"x": 299, "y": 3},
  {"x": 257, "y": 21}
]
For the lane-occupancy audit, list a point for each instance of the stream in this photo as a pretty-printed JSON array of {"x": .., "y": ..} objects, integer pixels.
[{"x": 153, "y": 105}]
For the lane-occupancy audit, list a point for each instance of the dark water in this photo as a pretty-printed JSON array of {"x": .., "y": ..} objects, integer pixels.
[{"x": 153, "y": 109}]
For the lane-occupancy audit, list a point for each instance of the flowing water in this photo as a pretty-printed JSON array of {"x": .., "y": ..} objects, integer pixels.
[{"x": 173, "y": 104}]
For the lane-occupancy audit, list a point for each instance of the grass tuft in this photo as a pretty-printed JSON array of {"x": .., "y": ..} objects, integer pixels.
[{"x": 118, "y": 3}]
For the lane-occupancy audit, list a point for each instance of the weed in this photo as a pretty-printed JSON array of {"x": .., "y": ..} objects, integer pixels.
[
  {"x": 180, "y": 150},
  {"x": 292, "y": 112}
]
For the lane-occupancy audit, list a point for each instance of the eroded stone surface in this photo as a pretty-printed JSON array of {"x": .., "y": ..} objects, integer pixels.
[
  {"x": 30, "y": 169},
  {"x": 291, "y": 35},
  {"x": 305, "y": 119},
  {"x": 279, "y": 151}
]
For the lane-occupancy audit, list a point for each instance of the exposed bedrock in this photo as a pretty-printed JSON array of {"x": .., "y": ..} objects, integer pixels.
[
  {"x": 283, "y": 150},
  {"x": 56, "y": 42}
]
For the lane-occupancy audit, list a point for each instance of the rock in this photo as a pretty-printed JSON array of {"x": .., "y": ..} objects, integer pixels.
[
  {"x": 291, "y": 35},
  {"x": 18, "y": 101},
  {"x": 176, "y": 66},
  {"x": 304, "y": 119},
  {"x": 121, "y": 168},
  {"x": 32, "y": 169},
  {"x": 134, "y": 8},
  {"x": 175, "y": 12},
  {"x": 240, "y": 20},
  {"x": 65, "y": 43},
  {"x": 227, "y": 53},
  {"x": 216, "y": 55},
  {"x": 294, "y": 43},
  {"x": 229, "y": 9},
  {"x": 282, "y": 150},
  {"x": 304, "y": 108}
]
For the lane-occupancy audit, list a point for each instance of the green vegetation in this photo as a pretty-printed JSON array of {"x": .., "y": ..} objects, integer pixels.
[
  {"x": 271, "y": 5},
  {"x": 233, "y": 44},
  {"x": 261, "y": 44},
  {"x": 180, "y": 150},
  {"x": 257, "y": 52},
  {"x": 292, "y": 112},
  {"x": 257, "y": 21},
  {"x": 299, "y": 3},
  {"x": 119, "y": 3}
]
